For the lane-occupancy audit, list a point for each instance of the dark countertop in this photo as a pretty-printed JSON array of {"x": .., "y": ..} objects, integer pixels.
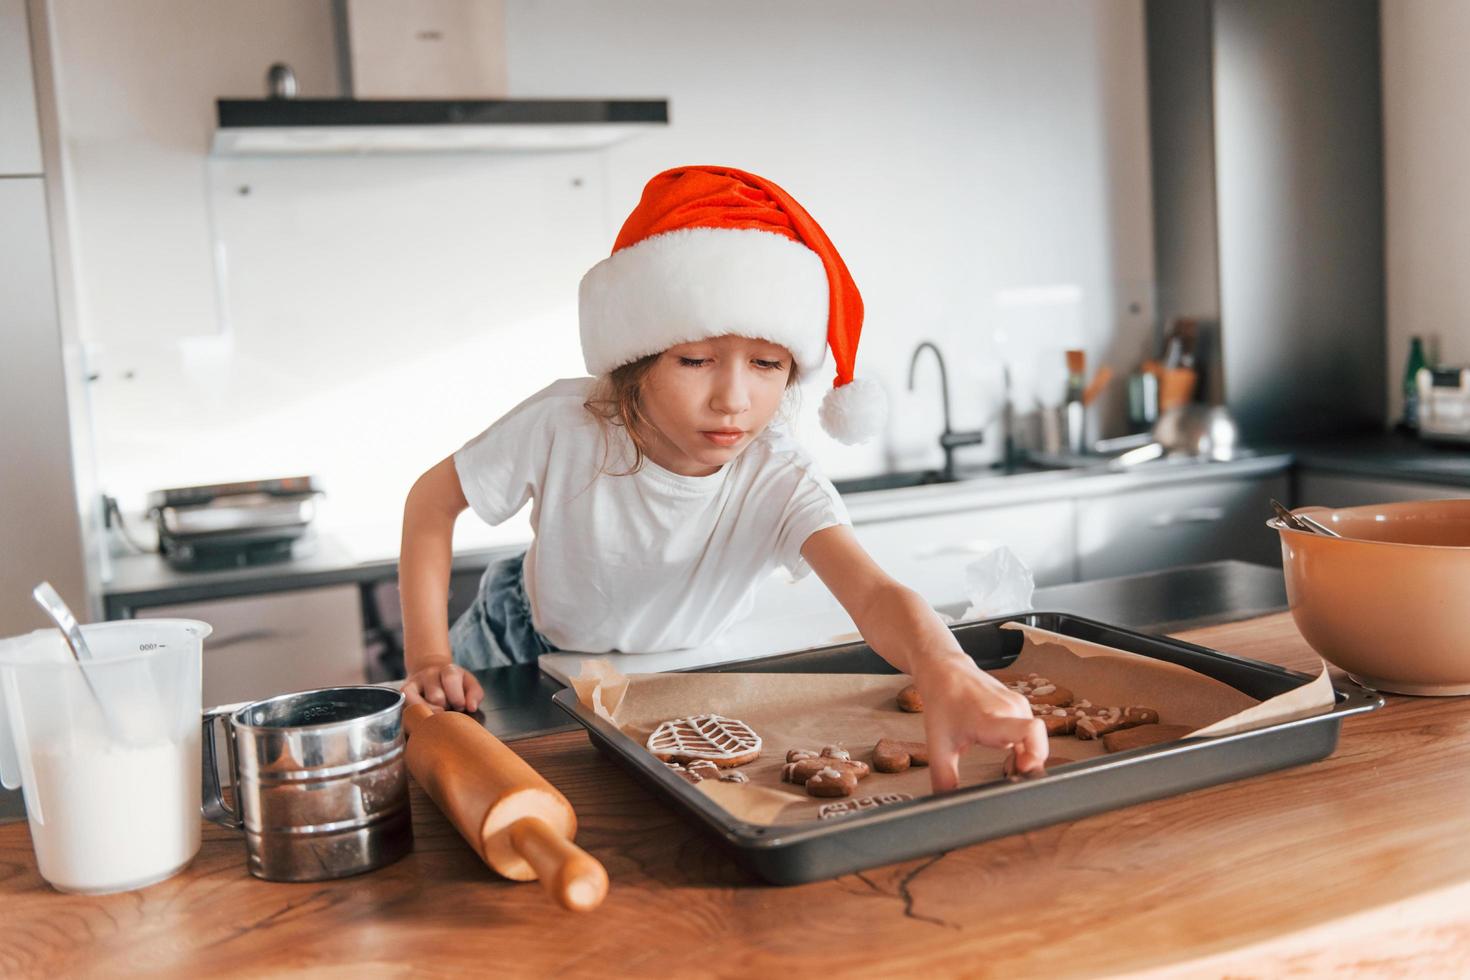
[
  {"x": 147, "y": 580},
  {"x": 518, "y": 699},
  {"x": 1386, "y": 455}
]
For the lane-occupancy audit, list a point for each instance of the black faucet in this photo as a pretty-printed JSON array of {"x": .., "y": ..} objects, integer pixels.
[{"x": 949, "y": 440}]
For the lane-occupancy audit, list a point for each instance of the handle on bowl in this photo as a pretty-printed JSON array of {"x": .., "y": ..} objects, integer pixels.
[{"x": 213, "y": 806}]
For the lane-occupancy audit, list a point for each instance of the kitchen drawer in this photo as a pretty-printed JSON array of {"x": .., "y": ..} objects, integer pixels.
[
  {"x": 1180, "y": 524},
  {"x": 929, "y": 554},
  {"x": 271, "y": 644},
  {"x": 1336, "y": 490}
]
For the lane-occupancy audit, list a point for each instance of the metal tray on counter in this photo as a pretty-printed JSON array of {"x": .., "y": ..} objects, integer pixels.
[{"x": 811, "y": 850}]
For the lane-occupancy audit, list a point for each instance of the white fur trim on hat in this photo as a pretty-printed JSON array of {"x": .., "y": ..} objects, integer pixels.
[
  {"x": 696, "y": 283},
  {"x": 855, "y": 412}
]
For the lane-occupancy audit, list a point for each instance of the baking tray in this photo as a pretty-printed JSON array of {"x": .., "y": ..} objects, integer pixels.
[{"x": 788, "y": 854}]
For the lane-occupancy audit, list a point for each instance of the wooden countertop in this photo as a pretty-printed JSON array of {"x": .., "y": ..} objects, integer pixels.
[{"x": 1361, "y": 861}]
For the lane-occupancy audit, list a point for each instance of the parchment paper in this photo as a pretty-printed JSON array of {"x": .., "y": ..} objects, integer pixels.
[{"x": 793, "y": 711}]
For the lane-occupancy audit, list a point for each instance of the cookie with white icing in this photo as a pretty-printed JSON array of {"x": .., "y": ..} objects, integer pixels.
[
  {"x": 1063, "y": 721},
  {"x": 1115, "y": 719},
  {"x": 1039, "y": 690},
  {"x": 831, "y": 781},
  {"x": 805, "y": 768},
  {"x": 725, "y": 742}
]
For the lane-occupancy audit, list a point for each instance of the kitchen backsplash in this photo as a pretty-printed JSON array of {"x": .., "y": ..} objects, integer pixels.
[{"x": 981, "y": 166}]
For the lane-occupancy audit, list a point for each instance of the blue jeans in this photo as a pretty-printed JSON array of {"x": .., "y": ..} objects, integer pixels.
[{"x": 496, "y": 631}]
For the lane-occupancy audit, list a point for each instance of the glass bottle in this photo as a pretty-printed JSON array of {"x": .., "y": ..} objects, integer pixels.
[{"x": 1411, "y": 382}]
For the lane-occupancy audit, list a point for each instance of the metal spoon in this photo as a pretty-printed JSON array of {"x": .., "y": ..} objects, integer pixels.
[
  {"x": 50, "y": 600},
  {"x": 1301, "y": 522},
  {"x": 1287, "y": 517},
  {"x": 1317, "y": 526}
]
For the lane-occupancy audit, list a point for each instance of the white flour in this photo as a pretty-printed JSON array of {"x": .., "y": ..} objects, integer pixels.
[{"x": 114, "y": 816}]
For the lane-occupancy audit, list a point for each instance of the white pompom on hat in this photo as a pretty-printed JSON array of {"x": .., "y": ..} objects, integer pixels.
[{"x": 711, "y": 251}]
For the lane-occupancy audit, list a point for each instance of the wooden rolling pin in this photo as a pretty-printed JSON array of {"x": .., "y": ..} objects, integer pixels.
[{"x": 514, "y": 819}]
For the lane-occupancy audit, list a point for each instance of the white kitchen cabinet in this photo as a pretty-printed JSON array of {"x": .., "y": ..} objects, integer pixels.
[
  {"x": 272, "y": 644},
  {"x": 20, "y": 139},
  {"x": 1177, "y": 524},
  {"x": 1341, "y": 490},
  {"x": 929, "y": 554}
]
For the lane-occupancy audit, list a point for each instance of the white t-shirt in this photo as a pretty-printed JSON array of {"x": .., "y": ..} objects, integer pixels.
[{"x": 646, "y": 562}]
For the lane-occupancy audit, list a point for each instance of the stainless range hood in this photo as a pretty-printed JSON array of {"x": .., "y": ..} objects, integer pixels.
[
  {"x": 275, "y": 127},
  {"x": 425, "y": 77},
  {"x": 1266, "y": 131}
]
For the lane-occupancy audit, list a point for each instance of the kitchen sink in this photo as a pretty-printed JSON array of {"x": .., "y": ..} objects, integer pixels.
[
  {"x": 1056, "y": 464},
  {"x": 921, "y": 478}
]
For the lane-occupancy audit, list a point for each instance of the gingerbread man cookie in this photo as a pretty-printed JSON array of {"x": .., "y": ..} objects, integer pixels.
[
  {"x": 1063, "y": 721},
  {"x": 825, "y": 752},
  {"x": 831, "y": 781},
  {"x": 803, "y": 764},
  {"x": 1039, "y": 690}
]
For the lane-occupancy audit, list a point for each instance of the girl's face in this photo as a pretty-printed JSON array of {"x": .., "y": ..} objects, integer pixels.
[{"x": 707, "y": 400}]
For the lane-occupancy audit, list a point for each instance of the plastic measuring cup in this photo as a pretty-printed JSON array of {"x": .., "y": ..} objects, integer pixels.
[{"x": 111, "y": 806}]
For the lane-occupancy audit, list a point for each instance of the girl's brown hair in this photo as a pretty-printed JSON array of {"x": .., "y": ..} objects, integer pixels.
[{"x": 616, "y": 399}]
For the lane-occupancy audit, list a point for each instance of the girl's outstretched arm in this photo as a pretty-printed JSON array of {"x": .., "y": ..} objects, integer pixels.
[
  {"x": 963, "y": 705},
  {"x": 424, "y": 564}
]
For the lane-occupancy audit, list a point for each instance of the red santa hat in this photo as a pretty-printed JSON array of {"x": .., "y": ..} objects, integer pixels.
[{"x": 711, "y": 251}]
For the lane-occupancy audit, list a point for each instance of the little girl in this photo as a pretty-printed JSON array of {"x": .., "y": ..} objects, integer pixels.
[{"x": 663, "y": 491}]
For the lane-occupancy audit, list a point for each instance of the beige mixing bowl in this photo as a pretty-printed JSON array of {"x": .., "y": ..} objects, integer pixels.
[{"x": 1389, "y": 601}]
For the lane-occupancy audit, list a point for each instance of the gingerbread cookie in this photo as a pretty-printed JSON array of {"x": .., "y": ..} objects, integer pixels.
[
  {"x": 681, "y": 772},
  {"x": 910, "y": 700},
  {"x": 1113, "y": 719},
  {"x": 722, "y": 741},
  {"x": 1063, "y": 721},
  {"x": 1137, "y": 738},
  {"x": 844, "y": 807},
  {"x": 825, "y": 752},
  {"x": 703, "y": 769},
  {"x": 1058, "y": 721},
  {"x": 831, "y": 781},
  {"x": 803, "y": 769},
  {"x": 1039, "y": 690},
  {"x": 891, "y": 755}
]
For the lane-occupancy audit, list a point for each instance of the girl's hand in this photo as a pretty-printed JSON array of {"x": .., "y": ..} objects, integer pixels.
[
  {"x": 965, "y": 706},
  {"x": 444, "y": 686}
]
